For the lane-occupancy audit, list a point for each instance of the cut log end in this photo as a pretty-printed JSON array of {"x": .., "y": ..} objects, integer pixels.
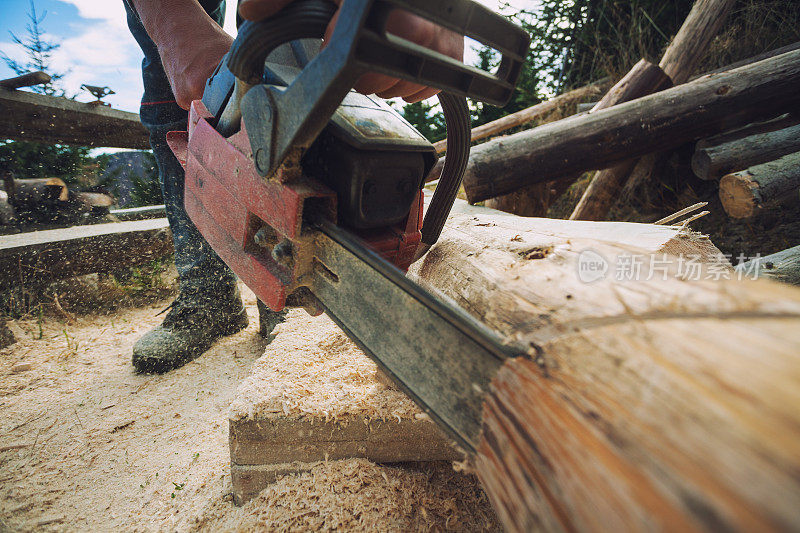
[{"x": 736, "y": 194}]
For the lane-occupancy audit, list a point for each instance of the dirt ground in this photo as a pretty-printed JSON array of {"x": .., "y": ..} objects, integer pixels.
[{"x": 87, "y": 445}]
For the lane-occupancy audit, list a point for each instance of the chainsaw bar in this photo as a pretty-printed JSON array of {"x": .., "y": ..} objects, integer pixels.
[{"x": 438, "y": 354}]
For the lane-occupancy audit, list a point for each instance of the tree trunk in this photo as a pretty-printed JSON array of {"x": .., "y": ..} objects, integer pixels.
[
  {"x": 783, "y": 266},
  {"x": 654, "y": 123},
  {"x": 691, "y": 42},
  {"x": 714, "y": 162},
  {"x": 667, "y": 403},
  {"x": 744, "y": 193}
]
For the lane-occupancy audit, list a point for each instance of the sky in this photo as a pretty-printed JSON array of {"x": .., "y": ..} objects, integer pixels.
[{"x": 96, "y": 46}]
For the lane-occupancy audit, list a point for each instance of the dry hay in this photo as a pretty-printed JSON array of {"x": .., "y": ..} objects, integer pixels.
[
  {"x": 312, "y": 369},
  {"x": 357, "y": 495}
]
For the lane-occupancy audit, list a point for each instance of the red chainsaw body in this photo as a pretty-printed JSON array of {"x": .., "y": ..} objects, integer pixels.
[{"x": 230, "y": 203}]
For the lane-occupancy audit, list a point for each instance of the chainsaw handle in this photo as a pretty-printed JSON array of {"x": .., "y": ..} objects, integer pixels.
[{"x": 301, "y": 19}]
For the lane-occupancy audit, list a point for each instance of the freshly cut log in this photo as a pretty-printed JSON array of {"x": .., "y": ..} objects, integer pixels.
[
  {"x": 643, "y": 79},
  {"x": 530, "y": 114},
  {"x": 645, "y": 402},
  {"x": 744, "y": 193},
  {"x": 36, "y": 191},
  {"x": 783, "y": 266},
  {"x": 39, "y": 257},
  {"x": 656, "y": 122},
  {"x": 715, "y": 161}
]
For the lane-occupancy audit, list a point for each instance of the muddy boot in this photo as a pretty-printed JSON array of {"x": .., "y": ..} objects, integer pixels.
[{"x": 189, "y": 329}]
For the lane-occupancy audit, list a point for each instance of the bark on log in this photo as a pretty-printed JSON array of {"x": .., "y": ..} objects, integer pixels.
[
  {"x": 691, "y": 42},
  {"x": 783, "y": 266},
  {"x": 37, "y": 117},
  {"x": 657, "y": 122},
  {"x": 643, "y": 79},
  {"x": 668, "y": 403},
  {"x": 530, "y": 114},
  {"x": 784, "y": 121},
  {"x": 39, "y": 257},
  {"x": 716, "y": 161},
  {"x": 36, "y": 191},
  {"x": 744, "y": 193}
]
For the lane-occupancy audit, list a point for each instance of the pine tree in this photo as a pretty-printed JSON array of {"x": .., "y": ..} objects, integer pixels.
[{"x": 27, "y": 159}]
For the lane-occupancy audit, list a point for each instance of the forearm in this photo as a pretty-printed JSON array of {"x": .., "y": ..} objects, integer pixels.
[{"x": 171, "y": 23}]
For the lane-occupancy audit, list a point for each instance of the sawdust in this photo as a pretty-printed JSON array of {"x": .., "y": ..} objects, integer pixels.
[
  {"x": 87, "y": 445},
  {"x": 312, "y": 369},
  {"x": 357, "y": 495}
]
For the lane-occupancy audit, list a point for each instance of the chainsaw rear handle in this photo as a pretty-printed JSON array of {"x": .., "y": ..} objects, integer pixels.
[{"x": 368, "y": 47}]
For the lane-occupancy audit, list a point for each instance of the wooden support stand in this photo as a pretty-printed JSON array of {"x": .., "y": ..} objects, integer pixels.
[
  {"x": 278, "y": 427},
  {"x": 744, "y": 193}
]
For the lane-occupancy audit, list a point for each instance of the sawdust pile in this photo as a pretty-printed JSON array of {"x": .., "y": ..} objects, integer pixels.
[
  {"x": 312, "y": 369},
  {"x": 357, "y": 495}
]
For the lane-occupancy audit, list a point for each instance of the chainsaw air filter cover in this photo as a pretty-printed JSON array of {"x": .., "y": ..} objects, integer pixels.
[{"x": 373, "y": 159}]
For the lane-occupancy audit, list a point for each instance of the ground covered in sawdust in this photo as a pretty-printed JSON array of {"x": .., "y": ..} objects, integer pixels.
[{"x": 87, "y": 445}]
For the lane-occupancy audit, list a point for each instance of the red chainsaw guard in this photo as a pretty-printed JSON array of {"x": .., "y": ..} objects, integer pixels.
[{"x": 228, "y": 202}]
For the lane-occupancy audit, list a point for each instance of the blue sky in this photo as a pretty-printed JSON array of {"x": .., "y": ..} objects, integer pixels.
[{"x": 96, "y": 47}]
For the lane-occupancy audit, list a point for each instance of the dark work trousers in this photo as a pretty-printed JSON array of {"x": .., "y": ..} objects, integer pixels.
[{"x": 203, "y": 275}]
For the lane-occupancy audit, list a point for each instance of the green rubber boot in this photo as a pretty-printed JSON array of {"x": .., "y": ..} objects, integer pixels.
[{"x": 189, "y": 329}]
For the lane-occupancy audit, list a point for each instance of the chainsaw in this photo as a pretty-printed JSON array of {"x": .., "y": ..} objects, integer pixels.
[{"x": 312, "y": 192}]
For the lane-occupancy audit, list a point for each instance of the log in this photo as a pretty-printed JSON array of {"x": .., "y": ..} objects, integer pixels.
[
  {"x": 691, "y": 42},
  {"x": 667, "y": 403},
  {"x": 783, "y": 266},
  {"x": 41, "y": 256},
  {"x": 784, "y": 121},
  {"x": 745, "y": 193},
  {"x": 37, "y": 117},
  {"x": 656, "y": 122},
  {"x": 37, "y": 191},
  {"x": 643, "y": 79},
  {"x": 714, "y": 162},
  {"x": 530, "y": 114},
  {"x": 26, "y": 80}
]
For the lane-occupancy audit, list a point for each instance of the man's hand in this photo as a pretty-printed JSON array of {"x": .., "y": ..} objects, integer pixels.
[
  {"x": 189, "y": 43},
  {"x": 405, "y": 25}
]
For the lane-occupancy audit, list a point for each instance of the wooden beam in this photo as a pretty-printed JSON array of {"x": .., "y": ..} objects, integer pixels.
[
  {"x": 663, "y": 401},
  {"x": 744, "y": 193},
  {"x": 38, "y": 257},
  {"x": 714, "y": 162},
  {"x": 37, "y": 117},
  {"x": 657, "y": 122}
]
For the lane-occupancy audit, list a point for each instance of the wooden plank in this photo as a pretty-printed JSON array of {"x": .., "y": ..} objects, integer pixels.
[
  {"x": 656, "y": 122},
  {"x": 40, "y": 256},
  {"x": 37, "y": 117}
]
